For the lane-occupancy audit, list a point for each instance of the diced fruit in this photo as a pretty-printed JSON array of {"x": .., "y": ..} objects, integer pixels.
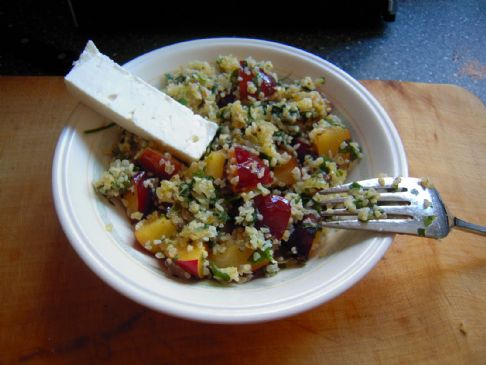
[
  {"x": 304, "y": 149},
  {"x": 328, "y": 141},
  {"x": 215, "y": 164},
  {"x": 162, "y": 165},
  {"x": 153, "y": 228},
  {"x": 276, "y": 213},
  {"x": 258, "y": 264},
  {"x": 191, "y": 260},
  {"x": 139, "y": 198},
  {"x": 283, "y": 173},
  {"x": 317, "y": 238},
  {"x": 191, "y": 266},
  {"x": 244, "y": 76},
  {"x": 262, "y": 81},
  {"x": 234, "y": 256},
  {"x": 302, "y": 239},
  {"x": 250, "y": 171},
  {"x": 268, "y": 84}
]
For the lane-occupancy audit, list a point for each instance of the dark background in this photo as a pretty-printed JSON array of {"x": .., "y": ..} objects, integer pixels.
[{"x": 440, "y": 41}]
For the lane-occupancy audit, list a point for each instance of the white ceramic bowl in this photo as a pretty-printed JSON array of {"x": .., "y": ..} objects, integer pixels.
[{"x": 80, "y": 158}]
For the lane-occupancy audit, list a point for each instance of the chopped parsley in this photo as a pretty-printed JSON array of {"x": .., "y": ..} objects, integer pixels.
[
  {"x": 261, "y": 256},
  {"x": 428, "y": 220},
  {"x": 218, "y": 274},
  {"x": 222, "y": 216},
  {"x": 361, "y": 203},
  {"x": 202, "y": 175},
  {"x": 352, "y": 148},
  {"x": 277, "y": 110},
  {"x": 99, "y": 129},
  {"x": 324, "y": 167},
  {"x": 180, "y": 79},
  {"x": 185, "y": 189}
]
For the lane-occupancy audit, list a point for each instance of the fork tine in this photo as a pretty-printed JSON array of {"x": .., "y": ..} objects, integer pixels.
[
  {"x": 405, "y": 210},
  {"x": 409, "y": 206},
  {"x": 384, "y": 197},
  {"x": 391, "y": 210},
  {"x": 337, "y": 212},
  {"x": 387, "y": 183},
  {"x": 336, "y": 200},
  {"x": 394, "y": 197},
  {"x": 392, "y": 225}
]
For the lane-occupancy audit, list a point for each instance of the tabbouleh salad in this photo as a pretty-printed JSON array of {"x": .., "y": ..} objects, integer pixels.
[{"x": 248, "y": 207}]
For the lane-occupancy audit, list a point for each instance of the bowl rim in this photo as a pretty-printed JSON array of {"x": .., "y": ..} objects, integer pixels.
[{"x": 75, "y": 237}]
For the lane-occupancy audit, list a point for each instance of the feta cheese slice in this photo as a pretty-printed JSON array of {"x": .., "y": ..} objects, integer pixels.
[{"x": 126, "y": 99}]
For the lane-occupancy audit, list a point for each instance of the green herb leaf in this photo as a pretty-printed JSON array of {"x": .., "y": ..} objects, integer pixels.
[
  {"x": 277, "y": 110},
  {"x": 353, "y": 150},
  {"x": 201, "y": 174},
  {"x": 428, "y": 220},
  {"x": 185, "y": 189},
  {"x": 234, "y": 77},
  {"x": 265, "y": 255},
  {"x": 265, "y": 157},
  {"x": 99, "y": 129},
  {"x": 323, "y": 167},
  {"x": 421, "y": 232},
  {"x": 218, "y": 274},
  {"x": 222, "y": 216},
  {"x": 360, "y": 203},
  {"x": 250, "y": 115},
  {"x": 180, "y": 79}
]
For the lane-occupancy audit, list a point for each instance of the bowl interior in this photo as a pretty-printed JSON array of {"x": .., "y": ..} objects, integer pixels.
[{"x": 113, "y": 254}]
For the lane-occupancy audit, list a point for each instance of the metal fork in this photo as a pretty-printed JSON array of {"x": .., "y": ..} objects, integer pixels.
[{"x": 404, "y": 205}]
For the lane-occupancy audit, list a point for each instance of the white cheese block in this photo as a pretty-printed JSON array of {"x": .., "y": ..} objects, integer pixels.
[{"x": 126, "y": 99}]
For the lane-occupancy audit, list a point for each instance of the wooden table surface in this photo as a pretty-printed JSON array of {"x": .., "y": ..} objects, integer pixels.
[{"x": 425, "y": 301}]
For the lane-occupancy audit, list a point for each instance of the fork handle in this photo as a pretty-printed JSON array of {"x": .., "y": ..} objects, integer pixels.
[{"x": 471, "y": 227}]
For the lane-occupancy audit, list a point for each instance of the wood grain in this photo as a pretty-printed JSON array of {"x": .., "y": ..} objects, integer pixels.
[{"x": 425, "y": 302}]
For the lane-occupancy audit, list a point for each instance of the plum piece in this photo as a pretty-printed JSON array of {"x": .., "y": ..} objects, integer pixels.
[
  {"x": 263, "y": 82},
  {"x": 301, "y": 238},
  {"x": 140, "y": 197},
  {"x": 161, "y": 165},
  {"x": 250, "y": 170},
  {"x": 275, "y": 211}
]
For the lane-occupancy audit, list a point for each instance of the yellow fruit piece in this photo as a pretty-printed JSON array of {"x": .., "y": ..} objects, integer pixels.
[
  {"x": 328, "y": 141},
  {"x": 215, "y": 164},
  {"x": 258, "y": 265},
  {"x": 283, "y": 173},
  {"x": 153, "y": 228},
  {"x": 190, "y": 257},
  {"x": 130, "y": 201},
  {"x": 234, "y": 256},
  {"x": 317, "y": 238}
]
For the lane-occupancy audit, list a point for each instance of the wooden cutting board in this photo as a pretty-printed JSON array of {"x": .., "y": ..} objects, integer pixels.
[{"x": 425, "y": 302}]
